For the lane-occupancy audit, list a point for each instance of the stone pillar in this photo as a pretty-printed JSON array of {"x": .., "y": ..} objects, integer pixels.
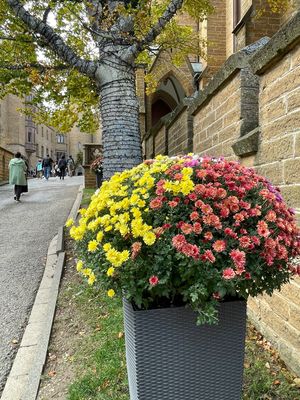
[
  {"x": 90, "y": 152},
  {"x": 5, "y": 157}
]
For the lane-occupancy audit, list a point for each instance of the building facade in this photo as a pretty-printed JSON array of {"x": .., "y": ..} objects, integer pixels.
[
  {"x": 246, "y": 108},
  {"x": 18, "y": 132}
]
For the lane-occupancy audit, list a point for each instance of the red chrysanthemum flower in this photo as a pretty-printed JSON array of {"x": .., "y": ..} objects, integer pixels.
[
  {"x": 153, "y": 280},
  {"x": 228, "y": 273},
  {"x": 262, "y": 229},
  {"x": 219, "y": 245}
]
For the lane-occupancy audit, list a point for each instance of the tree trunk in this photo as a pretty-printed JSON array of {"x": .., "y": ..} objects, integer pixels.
[{"x": 119, "y": 109}]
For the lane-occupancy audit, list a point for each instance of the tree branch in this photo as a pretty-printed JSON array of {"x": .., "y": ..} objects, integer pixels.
[
  {"x": 40, "y": 67},
  {"x": 94, "y": 10},
  {"x": 169, "y": 13},
  {"x": 46, "y": 13},
  {"x": 53, "y": 40},
  {"x": 15, "y": 39}
]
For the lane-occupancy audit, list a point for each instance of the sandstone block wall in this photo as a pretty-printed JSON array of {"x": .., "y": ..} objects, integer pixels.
[
  {"x": 89, "y": 178},
  {"x": 278, "y": 156},
  {"x": 160, "y": 141},
  {"x": 217, "y": 123},
  {"x": 179, "y": 134},
  {"x": 250, "y": 111},
  {"x": 5, "y": 157}
]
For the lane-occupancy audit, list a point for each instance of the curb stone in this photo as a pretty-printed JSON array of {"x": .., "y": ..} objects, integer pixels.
[{"x": 24, "y": 377}]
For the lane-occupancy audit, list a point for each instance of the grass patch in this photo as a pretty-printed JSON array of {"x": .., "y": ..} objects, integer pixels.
[
  {"x": 101, "y": 358},
  {"x": 265, "y": 375},
  {"x": 86, "y": 196}
]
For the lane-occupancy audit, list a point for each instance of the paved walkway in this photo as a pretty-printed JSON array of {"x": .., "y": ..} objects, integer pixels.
[{"x": 26, "y": 230}]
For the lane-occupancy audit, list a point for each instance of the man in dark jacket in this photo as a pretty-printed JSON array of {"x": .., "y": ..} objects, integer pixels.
[
  {"x": 62, "y": 164},
  {"x": 47, "y": 166}
]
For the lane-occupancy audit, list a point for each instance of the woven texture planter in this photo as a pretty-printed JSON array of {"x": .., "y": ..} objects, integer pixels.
[{"x": 169, "y": 357}]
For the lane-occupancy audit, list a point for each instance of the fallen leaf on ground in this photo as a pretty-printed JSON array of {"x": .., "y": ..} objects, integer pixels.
[
  {"x": 105, "y": 384},
  {"x": 51, "y": 373},
  {"x": 297, "y": 382}
]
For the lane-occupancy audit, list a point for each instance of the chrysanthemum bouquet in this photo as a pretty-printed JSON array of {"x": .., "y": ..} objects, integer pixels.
[
  {"x": 187, "y": 231},
  {"x": 96, "y": 165}
]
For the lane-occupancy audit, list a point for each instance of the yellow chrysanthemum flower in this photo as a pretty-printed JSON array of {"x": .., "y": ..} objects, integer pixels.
[
  {"x": 69, "y": 222},
  {"x": 110, "y": 271},
  {"x": 99, "y": 236},
  {"x": 79, "y": 265},
  {"x": 117, "y": 258},
  {"x": 106, "y": 246},
  {"x": 111, "y": 293},
  {"x": 91, "y": 279},
  {"x": 86, "y": 271},
  {"x": 149, "y": 238},
  {"x": 92, "y": 246}
]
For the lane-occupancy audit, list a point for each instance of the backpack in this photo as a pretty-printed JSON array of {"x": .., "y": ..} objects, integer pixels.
[
  {"x": 62, "y": 163},
  {"x": 46, "y": 162}
]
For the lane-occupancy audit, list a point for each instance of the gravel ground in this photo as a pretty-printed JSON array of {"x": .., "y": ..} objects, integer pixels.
[{"x": 26, "y": 229}]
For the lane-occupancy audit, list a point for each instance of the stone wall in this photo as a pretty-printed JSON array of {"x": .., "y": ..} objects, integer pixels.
[
  {"x": 217, "y": 123},
  {"x": 250, "y": 111},
  {"x": 5, "y": 157},
  {"x": 89, "y": 178},
  {"x": 180, "y": 133},
  {"x": 172, "y": 135},
  {"x": 278, "y": 158}
]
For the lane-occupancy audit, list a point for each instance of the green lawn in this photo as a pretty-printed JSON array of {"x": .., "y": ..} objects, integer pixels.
[
  {"x": 101, "y": 358},
  {"x": 86, "y": 197}
]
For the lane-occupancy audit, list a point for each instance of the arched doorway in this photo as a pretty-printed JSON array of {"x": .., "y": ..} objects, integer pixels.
[{"x": 167, "y": 96}]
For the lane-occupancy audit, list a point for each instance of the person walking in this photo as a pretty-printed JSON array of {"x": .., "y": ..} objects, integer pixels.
[
  {"x": 39, "y": 169},
  {"x": 24, "y": 188},
  {"x": 71, "y": 166},
  {"x": 62, "y": 165},
  {"x": 47, "y": 165},
  {"x": 17, "y": 175}
]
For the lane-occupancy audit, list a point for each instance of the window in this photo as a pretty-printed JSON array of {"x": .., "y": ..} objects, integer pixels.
[
  {"x": 29, "y": 137},
  {"x": 47, "y": 151},
  {"x": 42, "y": 131},
  {"x": 60, "y": 139},
  {"x": 43, "y": 155},
  {"x": 236, "y": 12},
  {"x": 37, "y": 150},
  {"x": 47, "y": 135}
]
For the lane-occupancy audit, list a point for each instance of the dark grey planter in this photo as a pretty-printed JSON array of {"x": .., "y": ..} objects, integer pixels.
[{"x": 169, "y": 357}]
